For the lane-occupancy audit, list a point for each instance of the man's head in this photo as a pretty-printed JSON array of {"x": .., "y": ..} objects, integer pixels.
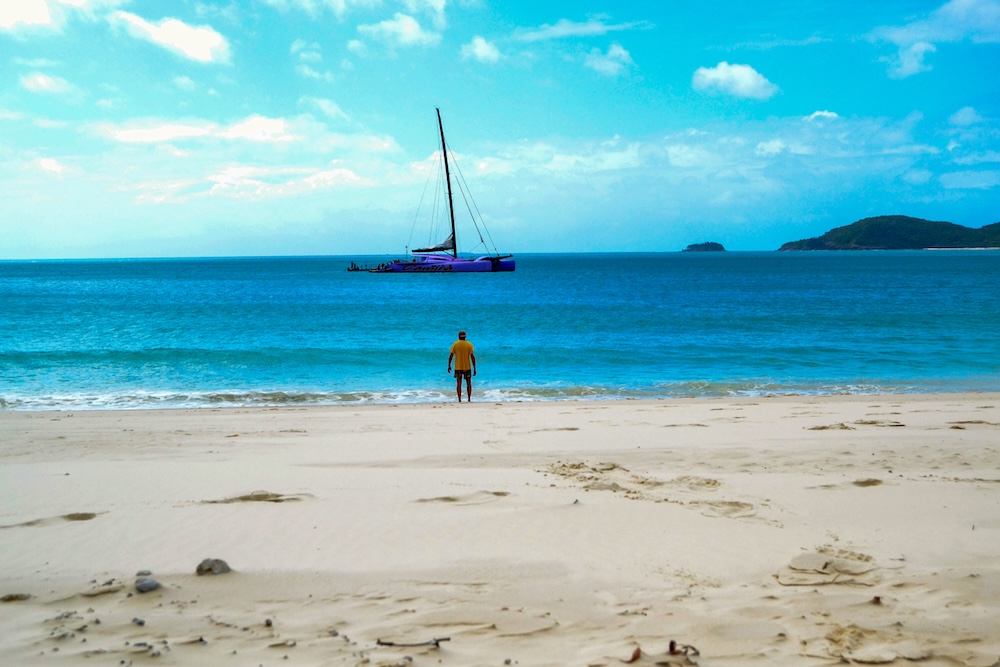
[{"x": 461, "y": 335}]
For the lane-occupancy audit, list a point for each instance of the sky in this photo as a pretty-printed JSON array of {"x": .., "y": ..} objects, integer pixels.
[{"x": 147, "y": 128}]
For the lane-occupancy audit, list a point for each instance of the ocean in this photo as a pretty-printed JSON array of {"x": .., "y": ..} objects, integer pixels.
[{"x": 171, "y": 333}]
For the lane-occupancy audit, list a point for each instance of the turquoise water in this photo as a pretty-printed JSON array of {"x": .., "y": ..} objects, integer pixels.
[{"x": 303, "y": 330}]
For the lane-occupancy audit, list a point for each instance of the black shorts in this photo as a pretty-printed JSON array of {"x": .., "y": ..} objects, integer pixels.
[{"x": 467, "y": 374}]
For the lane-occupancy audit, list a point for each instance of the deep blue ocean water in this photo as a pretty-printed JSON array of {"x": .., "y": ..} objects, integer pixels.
[{"x": 303, "y": 330}]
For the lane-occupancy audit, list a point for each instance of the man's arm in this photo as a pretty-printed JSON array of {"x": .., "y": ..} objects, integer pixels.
[
  {"x": 472, "y": 358},
  {"x": 450, "y": 357}
]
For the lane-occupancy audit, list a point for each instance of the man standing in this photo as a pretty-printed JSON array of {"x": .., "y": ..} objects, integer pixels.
[{"x": 465, "y": 365}]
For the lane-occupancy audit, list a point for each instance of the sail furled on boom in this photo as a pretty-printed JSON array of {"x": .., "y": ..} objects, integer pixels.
[{"x": 447, "y": 244}]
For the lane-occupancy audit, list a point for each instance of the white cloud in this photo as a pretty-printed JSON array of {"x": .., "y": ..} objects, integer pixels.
[
  {"x": 158, "y": 133},
  {"x": 308, "y": 52},
  {"x": 822, "y": 115},
  {"x": 481, "y": 50},
  {"x": 979, "y": 158},
  {"x": 433, "y": 7},
  {"x": 565, "y": 28},
  {"x": 254, "y": 128},
  {"x": 184, "y": 83},
  {"x": 257, "y": 183},
  {"x": 612, "y": 63},
  {"x": 573, "y": 162},
  {"x": 767, "y": 45},
  {"x": 736, "y": 80},
  {"x": 37, "y": 63},
  {"x": 307, "y": 72},
  {"x": 201, "y": 43},
  {"x": 329, "y": 108},
  {"x": 24, "y": 14},
  {"x": 909, "y": 60},
  {"x": 260, "y": 129},
  {"x": 965, "y": 116},
  {"x": 918, "y": 176},
  {"x": 771, "y": 147},
  {"x": 51, "y": 166},
  {"x": 687, "y": 156},
  {"x": 37, "y": 82},
  {"x": 954, "y": 21},
  {"x": 971, "y": 180},
  {"x": 401, "y": 30},
  {"x": 315, "y": 7}
]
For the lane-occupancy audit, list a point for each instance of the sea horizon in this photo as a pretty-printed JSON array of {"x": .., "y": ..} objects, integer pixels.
[{"x": 349, "y": 256}]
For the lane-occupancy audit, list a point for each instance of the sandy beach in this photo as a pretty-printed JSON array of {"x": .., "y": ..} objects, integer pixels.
[{"x": 770, "y": 531}]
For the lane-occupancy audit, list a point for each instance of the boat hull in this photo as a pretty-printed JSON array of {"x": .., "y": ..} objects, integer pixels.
[{"x": 436, "y": 264}]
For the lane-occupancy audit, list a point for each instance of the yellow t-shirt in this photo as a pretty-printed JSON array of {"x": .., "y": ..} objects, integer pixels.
[{"x": 462, "y": 349}]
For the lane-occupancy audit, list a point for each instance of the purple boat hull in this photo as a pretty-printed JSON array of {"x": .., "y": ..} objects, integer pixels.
[{"x": 447, "y": 264}]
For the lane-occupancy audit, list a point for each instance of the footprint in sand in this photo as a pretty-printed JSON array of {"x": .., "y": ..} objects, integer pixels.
[
  {"x": 72, "y": 516},
  {"x": 258, "y": 497},
  {"x": 477, "y": 498},
  {"x": 829, "y": 565},
  {"x": 698, "y": 483},
  {"x": 732, "y": 509}
]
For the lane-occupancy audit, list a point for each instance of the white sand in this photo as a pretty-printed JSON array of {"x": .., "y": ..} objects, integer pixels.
[{"x": 778, "y": 531}]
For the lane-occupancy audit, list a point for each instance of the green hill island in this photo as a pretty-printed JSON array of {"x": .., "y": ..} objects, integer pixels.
[{"x": 900, "y": 232}]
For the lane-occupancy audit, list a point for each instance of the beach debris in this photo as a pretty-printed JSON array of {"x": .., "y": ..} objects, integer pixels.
[
  {"x": 15, "y": 597},
  {"x": 212, "y": 566},
  {"x": 682, "y": 649},
  {"x": 436, "y": 643},
  {"x": 138, "y": 621},
  {"x": 678, "y": 655},
  {"x": 871, "y": 481},
  {"x": 146, "y": 584},
  {"x": 143, "y": 573},
  {"x": 879, "y": 422}
]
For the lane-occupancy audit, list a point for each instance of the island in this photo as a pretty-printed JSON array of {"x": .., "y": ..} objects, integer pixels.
[
  {"x": 900, "y": 232},
  {"x": 704, "y": 247}
]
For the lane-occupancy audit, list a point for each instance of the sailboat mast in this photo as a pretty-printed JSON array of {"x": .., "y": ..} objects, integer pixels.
[{"x": 447, "y": 178}]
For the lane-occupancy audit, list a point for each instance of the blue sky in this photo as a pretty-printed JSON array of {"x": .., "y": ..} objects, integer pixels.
[{"x": 283, "y": 127}]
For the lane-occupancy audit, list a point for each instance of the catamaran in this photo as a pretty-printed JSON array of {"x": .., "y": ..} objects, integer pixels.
[{"x": 443, "y": 257}]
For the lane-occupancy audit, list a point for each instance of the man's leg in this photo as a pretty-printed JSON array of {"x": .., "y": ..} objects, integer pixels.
[
  {"x": 468, "y": 386},
  {"x": 458, "y": 387}
]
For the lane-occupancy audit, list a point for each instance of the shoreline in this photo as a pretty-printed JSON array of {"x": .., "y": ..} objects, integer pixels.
[
  {"x": 786, "y": 530},
  {"x": 308, "y": 399}
]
